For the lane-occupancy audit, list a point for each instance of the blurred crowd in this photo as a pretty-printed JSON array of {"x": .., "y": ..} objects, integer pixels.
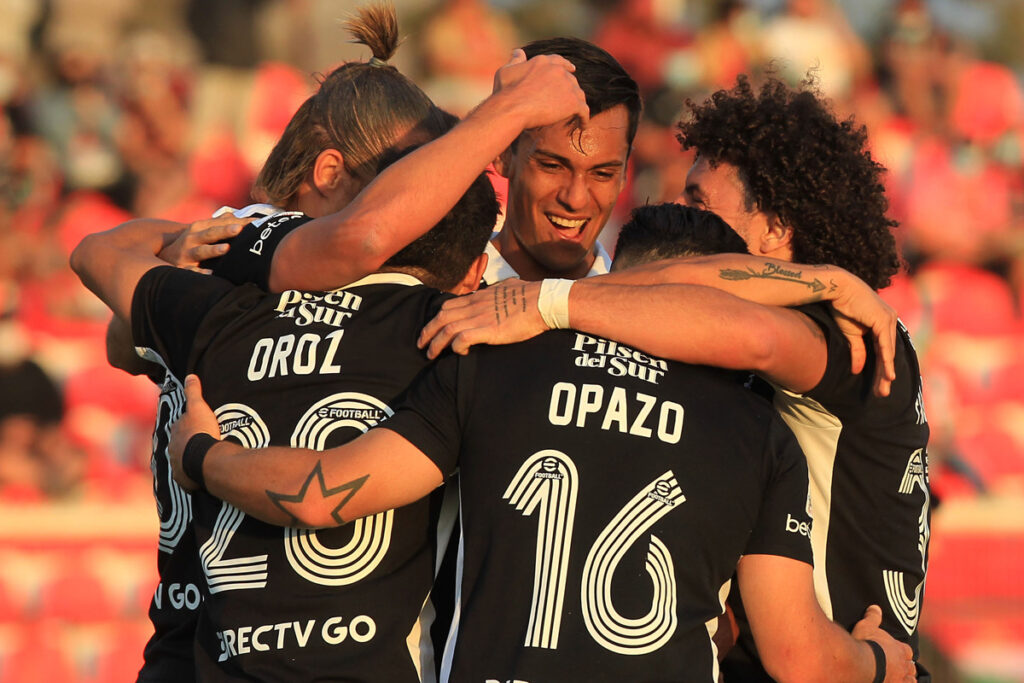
[{"x": 113, "y": 109}]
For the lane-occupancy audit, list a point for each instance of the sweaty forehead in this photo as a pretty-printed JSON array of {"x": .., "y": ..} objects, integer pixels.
[{"x": 601, "y": 141}]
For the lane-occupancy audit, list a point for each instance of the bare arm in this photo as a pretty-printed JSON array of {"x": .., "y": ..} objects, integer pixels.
[
  {"x": 414, "y": 193},
  {"x": 781, "y": 283},
  {"x": 184, "y": 245},
  {"x": 378, "y": 471},
  {"x": 762, "y": 280},
  {"x": 121, "y": 349},
  {"x": 688, "y": 323},
  {"x": 111, "y": 263},
  {"x": 705, "y": 326},
  {"x": 757, "y": 280},
  {"x": 795, "y": 639}
]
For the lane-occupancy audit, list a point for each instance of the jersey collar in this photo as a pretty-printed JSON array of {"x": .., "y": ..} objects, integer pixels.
[
  {"x": 385, "y": 279},
  {"x": 498, "y": 268}
]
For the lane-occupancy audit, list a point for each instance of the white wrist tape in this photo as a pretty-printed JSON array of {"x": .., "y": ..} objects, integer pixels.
[{"x": 553, "y": 303}]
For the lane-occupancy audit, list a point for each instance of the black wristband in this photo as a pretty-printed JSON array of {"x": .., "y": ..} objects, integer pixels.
[
  {"x": 879, "y": 654},
  {"x": 194, "y": 454}
]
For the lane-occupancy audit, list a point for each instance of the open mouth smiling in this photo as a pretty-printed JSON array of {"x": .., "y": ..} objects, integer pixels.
[{"x": 567, "y": 224}]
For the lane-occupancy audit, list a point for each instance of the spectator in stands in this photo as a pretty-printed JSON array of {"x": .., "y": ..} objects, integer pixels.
[
  {"x": 36, "y": 459},
  {"x": 815, "y": 34},
  {"x": 463, "y": 44}
]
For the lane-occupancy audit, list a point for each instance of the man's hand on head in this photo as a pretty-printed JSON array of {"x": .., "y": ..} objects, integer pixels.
[
  {"x": 198, "y": 418},
  {"x": 543, "y": 88},
  {"x": 503, "y": 313},
  {"x": 202, "y": 240}
]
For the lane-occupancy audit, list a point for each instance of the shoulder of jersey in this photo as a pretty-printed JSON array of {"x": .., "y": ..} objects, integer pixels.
[{"x": 258, "y": 212}]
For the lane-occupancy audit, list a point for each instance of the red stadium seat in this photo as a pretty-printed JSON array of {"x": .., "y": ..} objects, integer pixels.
[
  {"x": 37, "y": 658},
  {"x": 123, "y": 658},
  {"x": 992, "y": 452},
  {"x": 10, "y": 609},
  {"x": 961, "y": 298},
  {"x": 902, "y": 295},
  {"x": 978, "y": 370},
  {"x": 76, "y": 595}
]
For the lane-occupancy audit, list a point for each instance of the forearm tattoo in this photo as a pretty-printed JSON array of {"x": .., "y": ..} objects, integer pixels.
[
  {"x": 773, "y": 271},
  {"x": 283, "y": 500}
]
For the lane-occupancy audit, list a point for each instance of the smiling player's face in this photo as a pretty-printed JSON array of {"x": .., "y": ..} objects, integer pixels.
[{"x": 563, "y": 184}]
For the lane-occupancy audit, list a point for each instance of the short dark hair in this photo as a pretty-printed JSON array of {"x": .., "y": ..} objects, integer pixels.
[
  {"x": 660, "y": 231},
  {"x": 798, "y": 161},
  {"x": 441, "y": 257},
  {"x": 601, "y": 78}
]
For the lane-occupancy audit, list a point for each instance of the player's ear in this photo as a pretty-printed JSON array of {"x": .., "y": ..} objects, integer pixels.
[
  {"x": 329, "y": 171},
  {"x": 777, "y": 237},
  {"x": 503, "y": 164},
  {"x": 471, "y": 281}
]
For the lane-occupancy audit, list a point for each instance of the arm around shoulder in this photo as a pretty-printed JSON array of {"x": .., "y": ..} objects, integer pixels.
[
  {"x": 378, "y": 471},
  {"x": 795, "y": 639},
  {"x": 111, "y": 263}
]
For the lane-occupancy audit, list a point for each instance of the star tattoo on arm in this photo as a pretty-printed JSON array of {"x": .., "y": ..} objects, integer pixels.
[{"x": 346, "y": 490}]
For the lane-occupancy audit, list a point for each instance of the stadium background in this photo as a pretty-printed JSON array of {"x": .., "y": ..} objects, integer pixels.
[{"x": 119, "y": 108}]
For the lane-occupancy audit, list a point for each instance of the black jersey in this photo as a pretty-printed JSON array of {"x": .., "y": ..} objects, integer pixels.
[
  {"x": 173, "y": 608},
  {"x": 308, "y": 370},
  {"x": 868, "y": 462},
  {"x": 168, "y": 655},
  {"x": 606, "y": 497},
  {"x": 868, "y": 468},
  {"x": 251, "y": 251}
]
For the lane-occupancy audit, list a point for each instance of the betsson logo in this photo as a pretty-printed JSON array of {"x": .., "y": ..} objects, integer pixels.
[{"x": 796, "y": 527}]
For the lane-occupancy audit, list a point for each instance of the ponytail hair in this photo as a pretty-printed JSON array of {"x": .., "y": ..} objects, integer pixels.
[{"x": 361, "y": 109}]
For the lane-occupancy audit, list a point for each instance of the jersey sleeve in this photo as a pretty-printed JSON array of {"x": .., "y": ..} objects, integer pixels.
[
  {"x": 433, "y": 411},
  {"x": 168, "y": 307},
  {"x": 784, "y": 522},
  {"x": 838, "y": 386},
  {"x": 251, "y": 252}
]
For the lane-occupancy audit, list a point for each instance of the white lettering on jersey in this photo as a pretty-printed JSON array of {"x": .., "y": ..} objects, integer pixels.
[
  {"x": 371, "y": 536},
  {"x": 908, "y": 608},
  {"x": 173, "y": 522},
  {"x": 329, "y": 308},
  {"x": 572, "y": 405},
  {"x": 795, "y": 526},
  {"x": 545, "y": 487},
  {"x": 303, "y": 356},
  {"x": 645, "y": 634},
  {"x": 293, "y": 634},
  {"x": 179, "y": 597},
  {"x": 269, "y": 223},
  {"x": 617, "y": 360},
  {"x": 234, "y": 573}
]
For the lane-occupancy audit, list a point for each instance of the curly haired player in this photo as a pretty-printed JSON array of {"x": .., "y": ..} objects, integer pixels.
[{"x": 797, "y": 185}]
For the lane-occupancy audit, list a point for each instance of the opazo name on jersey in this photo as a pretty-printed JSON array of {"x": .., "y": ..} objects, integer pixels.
[{"x": 638, "y": 414}]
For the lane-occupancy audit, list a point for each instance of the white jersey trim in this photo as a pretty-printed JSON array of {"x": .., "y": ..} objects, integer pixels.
[
  {"x": 385, "y": 279},
  {"x": 712, "y": 628},
  {"x": 817, "y": 431},
  {"x": 448, "y": 656},
  {"x": 419, "y": 640},
  {"x": 261, "y": 210}
]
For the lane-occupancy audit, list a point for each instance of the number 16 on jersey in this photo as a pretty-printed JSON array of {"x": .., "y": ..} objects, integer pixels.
[{"x": 546, "y": 487}]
